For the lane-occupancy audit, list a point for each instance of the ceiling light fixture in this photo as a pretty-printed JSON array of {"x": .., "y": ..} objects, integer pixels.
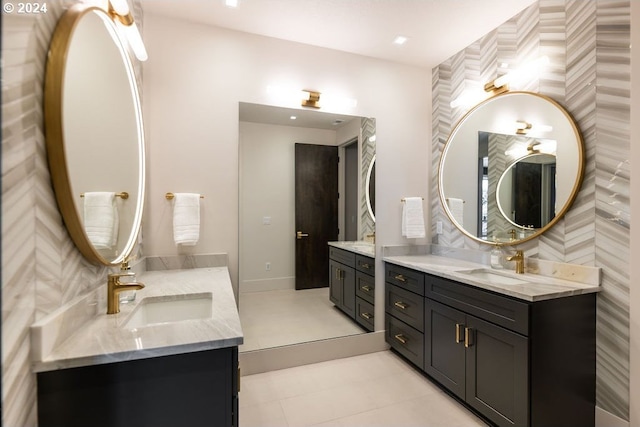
[
  {"x": 293, "y": 117},
  {"x": 121, "y": 15},
  {"x": 231, "y": 3}
]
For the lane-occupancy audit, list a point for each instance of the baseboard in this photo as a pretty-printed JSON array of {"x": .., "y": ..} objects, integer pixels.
[
  {"x": 262, "y": 285},
  {"x": 272, "y": 359},
  {"x": 607, "y": 419}
]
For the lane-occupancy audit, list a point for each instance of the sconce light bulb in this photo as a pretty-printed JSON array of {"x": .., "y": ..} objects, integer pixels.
[
  {"x": 134, "y": 38},
  {"x": 121, "y": 7}
]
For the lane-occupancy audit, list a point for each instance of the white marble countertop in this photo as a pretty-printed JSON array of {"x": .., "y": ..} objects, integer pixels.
[
  {"x": 106, "y": 338},
  {"x": 359, "y": 247},
  {"x": 561, "y": 280}
]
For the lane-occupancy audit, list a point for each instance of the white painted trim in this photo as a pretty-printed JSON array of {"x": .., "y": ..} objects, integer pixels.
[
  {"x": 607, "y": 419},
  {"x": 261, "y": 285},
  {"x": 273, "y": 359}
]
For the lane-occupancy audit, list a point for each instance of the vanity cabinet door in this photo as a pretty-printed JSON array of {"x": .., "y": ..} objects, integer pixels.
[
  {"x": 497, "y": 371},
  {"x": 444, "y": 353},
  {"x": 342, "y": 284}
]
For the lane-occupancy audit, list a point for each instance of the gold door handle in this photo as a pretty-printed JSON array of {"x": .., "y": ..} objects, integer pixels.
[
  {"x": 300, "y": 235},
  {"x": 401, "y": 338},
  {"x": 468, "y": 337},
  {"x": 366, "y": 316},
  {"x": 459, "y": 333},
  {"x": 400, "y": 278},
  {"x": 401, "y": 305}
]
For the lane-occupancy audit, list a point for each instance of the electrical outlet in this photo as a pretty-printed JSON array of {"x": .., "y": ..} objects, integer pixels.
[
  {"x": 267, "y": 266},
  {"x": 439, "y": 227}
]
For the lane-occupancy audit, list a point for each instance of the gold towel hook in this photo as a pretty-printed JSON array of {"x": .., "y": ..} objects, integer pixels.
[
  {"x": 170, "y": 196},
  {"x": 404, "y": 200}
]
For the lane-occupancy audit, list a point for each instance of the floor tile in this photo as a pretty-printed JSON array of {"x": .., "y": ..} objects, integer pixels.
[{"x": 377, "y": 389}]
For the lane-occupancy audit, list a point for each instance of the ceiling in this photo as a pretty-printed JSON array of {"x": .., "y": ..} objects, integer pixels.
[{"x": 436, "y": 29}]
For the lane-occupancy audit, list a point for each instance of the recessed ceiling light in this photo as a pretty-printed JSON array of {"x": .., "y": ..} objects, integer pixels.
[
  {"x": 293, "y": 117},
  {"x": 231, "y": 3},
  {"x": 400, "y": 40}
]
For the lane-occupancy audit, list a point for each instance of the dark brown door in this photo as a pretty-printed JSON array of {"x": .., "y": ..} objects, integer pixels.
[{"x": 316, "y": 211}]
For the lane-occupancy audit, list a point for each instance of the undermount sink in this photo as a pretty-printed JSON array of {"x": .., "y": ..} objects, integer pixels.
[
  {"x": 175, "y": 308},
  {"x": 493, "y": 276}
]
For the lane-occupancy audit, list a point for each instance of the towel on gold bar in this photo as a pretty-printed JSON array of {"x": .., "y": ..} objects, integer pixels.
[
  {"x": 413, "y": 218},
  {"x": 186, "y": 218}
]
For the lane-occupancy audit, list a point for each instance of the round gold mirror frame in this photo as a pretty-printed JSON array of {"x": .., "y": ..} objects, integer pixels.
[
  {"x": 58, "y": 157},
  {"x": 580, "y": 163}
]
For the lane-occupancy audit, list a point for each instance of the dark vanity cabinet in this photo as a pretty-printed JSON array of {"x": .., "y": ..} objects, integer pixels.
[
  {"x": 189, "y": 389},
  {"x": 352, "y": 285},
  {"x": 516, "y": 363}
]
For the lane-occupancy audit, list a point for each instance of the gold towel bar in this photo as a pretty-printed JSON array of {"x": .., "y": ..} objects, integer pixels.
[
  {"x": 403, "y": 200},
  {"x": 124, "y": 195},
  {"x": 462, "y": 201},
  {"x": 170, "y": 196}
]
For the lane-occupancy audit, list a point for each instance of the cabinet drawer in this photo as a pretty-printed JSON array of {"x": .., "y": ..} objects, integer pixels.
[
  {"x": 406, "y": 340},
  {"x": 345, "y": 257},
  {"x": 405, "y": 278},
  {"x": 503, "y": 311},
  {"x": 365, "y": 286},
  {"x": 364, "y": 314},
  {"x": 405, "y": 306},
  {"x": 365, "y": 264}
]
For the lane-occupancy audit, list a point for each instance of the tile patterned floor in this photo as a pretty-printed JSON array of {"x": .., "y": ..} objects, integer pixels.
[{"x": 373, "y": 390}]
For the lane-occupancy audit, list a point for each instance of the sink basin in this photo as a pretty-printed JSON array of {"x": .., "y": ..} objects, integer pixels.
[
  {"x": 496, "y": 277},
  {"x": 176, "y": 308}
]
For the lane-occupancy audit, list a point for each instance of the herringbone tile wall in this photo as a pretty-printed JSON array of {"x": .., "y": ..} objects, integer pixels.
[
  {"x": 588, "y": 44},
  {"x": 41, "y": 268}
]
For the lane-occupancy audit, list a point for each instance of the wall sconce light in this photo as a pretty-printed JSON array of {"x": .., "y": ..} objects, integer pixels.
[
  {"x": 501, "y": 84},
  {"x": 121, "y": 15},
  {"x": 522, "y": 128},
  {"x": 311, "y": 99}
]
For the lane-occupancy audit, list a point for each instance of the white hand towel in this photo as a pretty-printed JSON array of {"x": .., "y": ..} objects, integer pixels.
[
  {"x": 186, "y": 218},
  {"x": 456, "y": 206},
  {"x": 101, "y": 220},
  {"x": 413, "y": 218}
]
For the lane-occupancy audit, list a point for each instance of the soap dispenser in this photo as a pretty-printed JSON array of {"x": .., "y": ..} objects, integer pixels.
[
  {"x": 127, "y": 296},
  {"x": 496, "y": 257}
]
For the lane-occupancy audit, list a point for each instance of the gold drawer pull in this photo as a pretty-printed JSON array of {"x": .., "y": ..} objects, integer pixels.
[
  {"x": 366, "y": 288},
  {"x": 468, "y": 337},
  {"x": 400, "y": 278},
  {"x": 458, "y": 333},
  {"x": 367, "y": 266},
  {"x": 401, "y": 305},
  {"x": 401, "y": 338},
  {"x": 339, "y": 272},
  {"x": 366, "y": 316}
]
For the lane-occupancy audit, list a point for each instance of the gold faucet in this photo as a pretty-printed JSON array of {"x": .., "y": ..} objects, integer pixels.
[
  {"x": 115, "y": 286},
  {"x": 519, "y": 259}
]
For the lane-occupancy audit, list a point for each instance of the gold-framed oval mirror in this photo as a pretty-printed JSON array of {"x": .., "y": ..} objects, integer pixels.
[
  {"x": 511, "y": 137},
  {"x": 370, "y": 186},
  {"x": 94, "y": 135}
]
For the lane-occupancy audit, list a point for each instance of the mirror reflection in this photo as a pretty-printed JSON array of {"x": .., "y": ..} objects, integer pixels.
[
  {"x": 511, "y": 168},
  {"x": 285, "y": 162},
  {"x": 93, "y": 122}
]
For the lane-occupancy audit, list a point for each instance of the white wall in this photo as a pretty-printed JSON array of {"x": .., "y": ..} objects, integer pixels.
[{"x": 193, "y": 81}]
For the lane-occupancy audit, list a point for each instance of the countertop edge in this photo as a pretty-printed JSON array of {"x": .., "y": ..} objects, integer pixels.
[
  {"x": 105, "y": 340},
  {"x": 567, "y": 289}
]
